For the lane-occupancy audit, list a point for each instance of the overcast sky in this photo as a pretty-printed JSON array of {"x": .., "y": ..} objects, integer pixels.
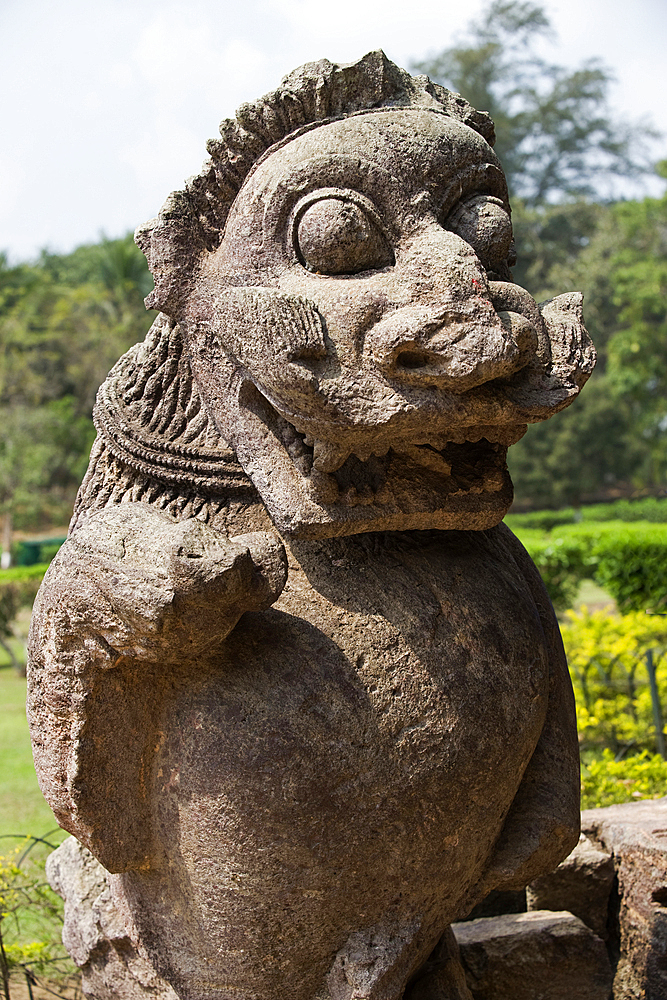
[{"x": 106, "y": 105}]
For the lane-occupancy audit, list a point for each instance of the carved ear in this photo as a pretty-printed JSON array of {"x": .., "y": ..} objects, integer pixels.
[
  {"x": 556, "y": 377},
  {"x": 572, "y": 351}
]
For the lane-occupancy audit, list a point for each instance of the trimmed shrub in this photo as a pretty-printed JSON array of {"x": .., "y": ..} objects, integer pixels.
[
  {"x": 632, "y": 566},
  {"x": 563, "y": 563},
  {"x": 18, "y": 588},
  {"x": 628, "y": 560},
  {"x": 646, "y": 509},
  {"x": 542, "y": 520},
  {"x": 649, "y": 509}
]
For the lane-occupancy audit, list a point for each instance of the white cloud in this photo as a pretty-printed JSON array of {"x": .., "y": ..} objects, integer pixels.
[{"x": 121, "y": 75}]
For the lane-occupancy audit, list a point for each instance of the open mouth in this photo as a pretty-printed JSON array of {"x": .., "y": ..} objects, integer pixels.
[
  {"x": 334, "y": 476},
  {"x": 366, "y": 484}
]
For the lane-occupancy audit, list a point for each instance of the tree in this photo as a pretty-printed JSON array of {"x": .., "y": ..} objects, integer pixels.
[
  {"x": 555, "y": 135},
  {"x": 615, "y": 436},
  {"x": 64, "y": 321},
  {"x": 560, "y": 145},
  {"x": 585, "y": 453},
  {"x": 638, "y": 347}
]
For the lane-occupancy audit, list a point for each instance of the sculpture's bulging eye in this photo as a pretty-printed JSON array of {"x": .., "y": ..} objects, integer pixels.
[
  {"x": 337, "y": 236},
  {"x": 484, "y": 223}
]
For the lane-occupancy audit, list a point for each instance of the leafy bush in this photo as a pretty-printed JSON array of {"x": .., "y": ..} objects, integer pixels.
[
  {"x": 645, "y": 509},
  {"x": 27, "y": 899},
  {"x": 632, "y": 566},
  {"x": 48, "y": 550},
  {"x": 543, "y": 520},
  {"x": 607, "y": 781},
  {"x": 607, "y": 660},
  {"x": 563, "y": 563},
  {"x": 628, "y": 560},
  {"x": 18, "y": 587}
]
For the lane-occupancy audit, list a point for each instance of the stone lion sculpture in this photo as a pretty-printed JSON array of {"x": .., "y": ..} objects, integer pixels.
[{"x": 292, "y": 682}]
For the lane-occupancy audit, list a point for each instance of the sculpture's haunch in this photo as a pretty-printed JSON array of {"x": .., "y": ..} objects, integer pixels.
[{"x": 304, "y": 758}]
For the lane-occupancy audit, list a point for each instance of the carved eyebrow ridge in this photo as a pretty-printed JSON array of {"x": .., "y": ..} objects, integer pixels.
[{"x": 481, "y": 178}]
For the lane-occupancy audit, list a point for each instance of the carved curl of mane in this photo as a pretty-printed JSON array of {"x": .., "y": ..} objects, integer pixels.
[
  {"x": 156, "y": 443},
  {"x": 192, "y": 221}
]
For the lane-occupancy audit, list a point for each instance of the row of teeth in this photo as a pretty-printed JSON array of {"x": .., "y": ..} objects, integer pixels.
[
  {"x": 329, "y": 491},
  {"x": 326, "y": 458},
  {"x": 329, "y": 457}
]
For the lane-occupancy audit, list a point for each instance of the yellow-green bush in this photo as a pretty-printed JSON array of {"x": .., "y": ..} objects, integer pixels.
[
  {"x": 607, "y": 659},
  {"x": 29, "y": 907},
  {"x": 606, "y": 781}
]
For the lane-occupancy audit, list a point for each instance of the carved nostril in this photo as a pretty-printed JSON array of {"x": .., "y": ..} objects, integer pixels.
[{"x": 413, "y": 359}]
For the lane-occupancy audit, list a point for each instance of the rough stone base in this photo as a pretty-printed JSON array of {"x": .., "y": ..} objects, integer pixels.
[
  {"x": 96, "y": 934},
  {"x": 581, "y": 884},
  {"x": 615, "y": 881},
  {"x": 541, "y": 955},
  {"x": 635, "y": 834}
]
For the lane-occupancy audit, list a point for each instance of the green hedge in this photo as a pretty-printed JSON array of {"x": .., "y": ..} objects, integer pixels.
[
  {"x": 35, "y": 551},
  {"x": 628, "y": 559},
  {"x": 540, "y": 520},
  {"x": 649, "y": 509},
  {"x": 563, "y": 563},
  {"x": 18, "y": 587}
]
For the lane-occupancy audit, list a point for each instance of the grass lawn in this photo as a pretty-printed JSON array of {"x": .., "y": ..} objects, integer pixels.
[
  {"x": 22, "y": 807},
  {"x": 23, "y": 811},
  {"x": 594, "y": 597}
]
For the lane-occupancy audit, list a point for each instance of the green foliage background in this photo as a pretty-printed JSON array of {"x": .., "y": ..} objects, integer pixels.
[
  {"x": 64, "y": 321},
  {"x": 66, "y": 318}
]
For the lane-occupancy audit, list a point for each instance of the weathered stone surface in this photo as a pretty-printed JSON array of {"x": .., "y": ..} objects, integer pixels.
[
  {"x": 543, "y": 955},
  {"x": 581, "y": 884},
  {"x": 95, "y": 933},
  {"x": 291, "y": 681},
  {"x": 442, "y": 977},
  {"x": 636, "y": 835}
]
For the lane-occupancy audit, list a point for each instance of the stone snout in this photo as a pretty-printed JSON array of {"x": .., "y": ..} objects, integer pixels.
[
  {"x": 352, "y": 353},
  {"x": 451, "y": 348},
  {"x": 439, "y": 326}
]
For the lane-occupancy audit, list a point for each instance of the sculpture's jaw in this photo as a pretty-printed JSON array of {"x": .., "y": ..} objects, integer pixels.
[{"x": 317, "y": 489}]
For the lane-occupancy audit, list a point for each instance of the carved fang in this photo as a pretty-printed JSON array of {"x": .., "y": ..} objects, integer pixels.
[{"x": 328, "y": 457}]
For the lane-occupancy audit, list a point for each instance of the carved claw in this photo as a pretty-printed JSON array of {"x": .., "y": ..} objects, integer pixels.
[{"x": 173, "y": 585}]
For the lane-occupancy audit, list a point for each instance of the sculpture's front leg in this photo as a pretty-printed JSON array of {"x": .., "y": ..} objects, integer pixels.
[{"x": 131, "y": 597}]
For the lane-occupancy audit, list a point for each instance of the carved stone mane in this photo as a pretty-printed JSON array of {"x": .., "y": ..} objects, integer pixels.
[{"x": 156, "y": 441}]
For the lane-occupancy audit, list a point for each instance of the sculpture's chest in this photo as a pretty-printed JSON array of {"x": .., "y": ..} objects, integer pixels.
[{"x": 392, "y": 670}]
